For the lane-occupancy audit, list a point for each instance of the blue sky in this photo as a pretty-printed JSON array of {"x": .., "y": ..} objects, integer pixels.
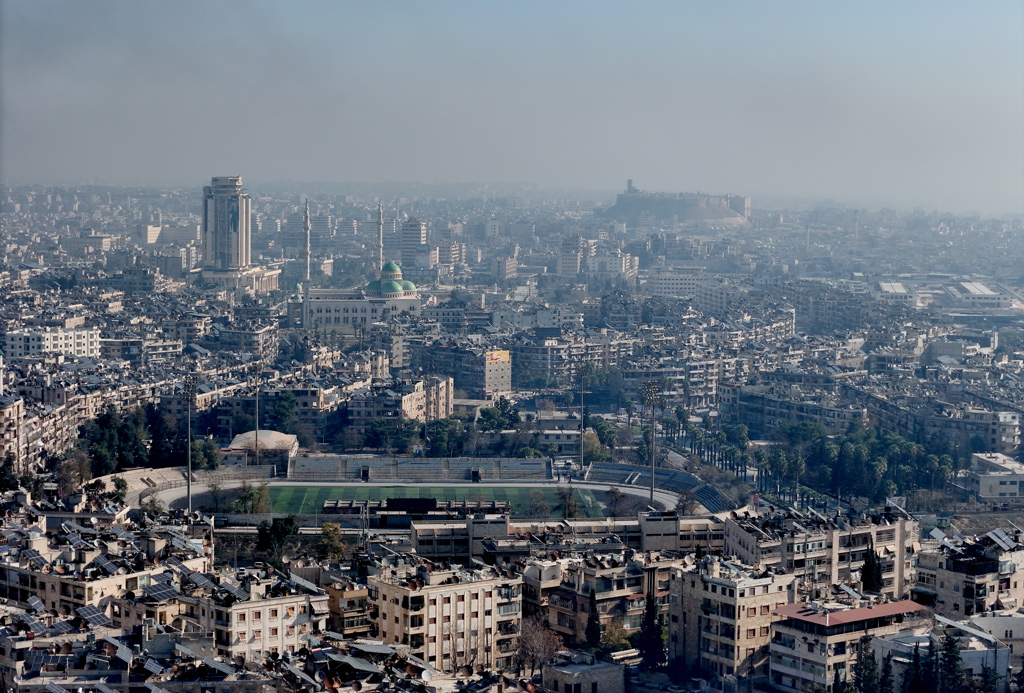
[{"x": 904, "y": 104}]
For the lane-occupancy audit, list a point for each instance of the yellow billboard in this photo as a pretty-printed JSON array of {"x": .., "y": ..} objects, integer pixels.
[{"x": 493, "y": 356}]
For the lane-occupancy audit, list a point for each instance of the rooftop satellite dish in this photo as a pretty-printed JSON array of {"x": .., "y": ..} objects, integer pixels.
[{"x": 426, "y": 675}]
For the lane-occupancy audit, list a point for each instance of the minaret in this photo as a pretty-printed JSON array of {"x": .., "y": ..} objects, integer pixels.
[
  {"x": 380, "y": 235},
  {"x": 305, "y": 227}
]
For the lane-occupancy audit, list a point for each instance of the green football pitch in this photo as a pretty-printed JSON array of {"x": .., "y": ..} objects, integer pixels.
[{"x": 310, "y": 499}]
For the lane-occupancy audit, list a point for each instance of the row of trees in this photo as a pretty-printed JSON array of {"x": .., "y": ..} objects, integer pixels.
[
  {"x": 859, "y": 462},
  {"x": 139, "y": 437}
]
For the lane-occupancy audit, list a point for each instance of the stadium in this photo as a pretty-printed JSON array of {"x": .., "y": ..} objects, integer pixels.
[{"x": 315, "y": 484}]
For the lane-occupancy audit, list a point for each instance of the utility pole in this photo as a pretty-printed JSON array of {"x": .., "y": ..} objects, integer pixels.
[
  {"x": 651, "y": 396},
  {"x": 191, "y": 380}
]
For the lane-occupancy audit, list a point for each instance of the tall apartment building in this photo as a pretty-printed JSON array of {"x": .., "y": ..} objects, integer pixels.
[
  {"x": 721, "y": 615},
  {"x": 450, "y": 618},
  {"x": 822, "y": 553},
  {"x": 413, "y": 235},
  {"x": 226, "y": 224},
  {"x": 812, "y": 645},
  {"x": 571, "y": 255},
  {"x": 482, "y": 373},
  {"x": 29, "y": 342}
]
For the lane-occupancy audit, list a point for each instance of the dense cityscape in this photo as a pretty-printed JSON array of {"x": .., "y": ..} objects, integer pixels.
[
  {"x": 460, "y": 438},
  {"x": 533, "y": 347}
]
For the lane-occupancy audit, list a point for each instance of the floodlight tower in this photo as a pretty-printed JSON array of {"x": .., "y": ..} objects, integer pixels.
[
  {"x": 651, "y": 396},
  {"x": 581, "y": 371},
  {"x": 191, "y": 381}
]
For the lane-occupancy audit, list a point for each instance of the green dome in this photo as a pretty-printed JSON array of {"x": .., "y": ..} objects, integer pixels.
[
  {"x": 391, "y": 267},
  {"x": 374, "y": 285},
  {"x": 391, "y": 287},
  {"x": 408, "y": 286}
]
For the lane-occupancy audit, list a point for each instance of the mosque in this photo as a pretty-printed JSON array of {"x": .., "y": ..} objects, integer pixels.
[{"x": 347, "y": 310}]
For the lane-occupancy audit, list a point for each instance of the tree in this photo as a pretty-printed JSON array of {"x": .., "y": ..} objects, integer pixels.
[
  {"x": 332, "y": 545},
  {"x": 593, "y": 631},
  {"x": 952, "y": 677},
  {"x": 120, "y": 488},
  {"x": 614, "y": 637},
  {"x": 8, "y": 479},
  {"x": 538, "y": 505},
  {"x": 567, "y": 497},
  {"x": 252, "y": 500},
  {"x": 216, "y": 492},
  {"x": 616, "y": 499},
  {"x": 865, "y": 670},
  {"x": 538, "y": 644},
  {"x": 1018, "y": 679},
  {"x": 593, "y": 450},
  {"x": 687, "y": 503},
  {"x": 271, "y": 537},
  {"x": 987, "y": 681},
  {"x": 205, "y": 455},
  {"x": 911, "y": 681},
  {"x": 885, "y": 679},
  {"x": 281, "y": 411},
  {"x": 871, "y": 573},
  {"x": 930, "y": 670},
  {"x": 650, "y": 641},
  {"x": 152, "y": 506}
]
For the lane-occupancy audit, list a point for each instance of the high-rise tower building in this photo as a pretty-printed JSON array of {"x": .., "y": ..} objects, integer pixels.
[
  {"x": 226, "y": 224},
  {"x": 414, "y": 235}
]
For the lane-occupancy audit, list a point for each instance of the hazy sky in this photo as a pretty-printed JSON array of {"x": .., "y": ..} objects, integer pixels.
[{"x": 907, "y": 103}]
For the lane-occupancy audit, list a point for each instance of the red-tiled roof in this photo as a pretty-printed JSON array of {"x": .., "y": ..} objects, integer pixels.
[{"x": 803, "y": 612}]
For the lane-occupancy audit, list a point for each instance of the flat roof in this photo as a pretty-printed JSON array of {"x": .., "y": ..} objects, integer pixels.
[
  {"x": 803, "y": 612},
  {"x": 977, "y": 288},
  {"x": 892, "y": 287}
]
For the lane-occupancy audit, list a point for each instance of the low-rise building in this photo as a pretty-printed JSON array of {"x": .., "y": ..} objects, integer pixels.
[
  {"x": 994, "y": 476},
  {"x": 972, "y": 576},
  {"x": 814, "y": 644}
]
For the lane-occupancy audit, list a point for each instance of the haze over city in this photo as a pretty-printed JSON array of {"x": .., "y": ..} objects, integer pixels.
[{"x": 907, "y": 104}]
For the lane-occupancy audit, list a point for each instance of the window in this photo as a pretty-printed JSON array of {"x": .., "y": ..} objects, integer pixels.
[
  {"x": 257, "y": 615},
  {"x": 765, "y": 609},
  {"x": 751, "y": 632},
  {"x": 291, "y": 610},
  {"x": 241, "y": 618},
  {"x": 273, "y": 632},
  {"x": 241, "y": 637},
  {"x": 257, "y": 634}
]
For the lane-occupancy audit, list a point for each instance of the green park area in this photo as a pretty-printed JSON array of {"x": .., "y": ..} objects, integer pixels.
[{"x": 525, "y": 501}]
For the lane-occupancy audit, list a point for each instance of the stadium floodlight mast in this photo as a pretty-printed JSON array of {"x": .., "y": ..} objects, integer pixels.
[
  {"x": 581, "y": 371},
  {"x": 257, "y": 369},
  {"x": 651, "y": 396},
  {"x": 190, "y": 383}
]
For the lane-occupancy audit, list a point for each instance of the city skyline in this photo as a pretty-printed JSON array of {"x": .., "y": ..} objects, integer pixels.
[{"x": 916, "y": 105}]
